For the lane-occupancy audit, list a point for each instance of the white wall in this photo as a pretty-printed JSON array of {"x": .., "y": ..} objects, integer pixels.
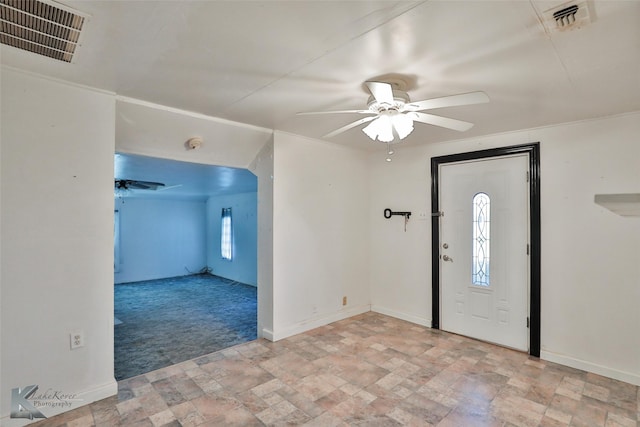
[
  {"x": 320, "y": 233},
  {"x": 262, "y": 167},
  {"x": 590, "y": 256},
  {"x": 243, "y": 266},
  {"x": 57, "y": 238},
  {"x": 161, "y": 238},
  {"x": 400, "y": 274}
]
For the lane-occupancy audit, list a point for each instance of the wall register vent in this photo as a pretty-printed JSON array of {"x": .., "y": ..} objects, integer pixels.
[
  {"x": 568, "y": 16},
  {"x": 45, "y": 28}
]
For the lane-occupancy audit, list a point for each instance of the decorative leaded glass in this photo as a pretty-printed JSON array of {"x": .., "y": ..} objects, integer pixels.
[{"x": 481, "y": 239}]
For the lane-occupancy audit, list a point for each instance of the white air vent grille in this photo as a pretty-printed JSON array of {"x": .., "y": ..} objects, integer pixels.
[
  {"x": 568, "y": 16},
  {"x": 40, "y": 27}
]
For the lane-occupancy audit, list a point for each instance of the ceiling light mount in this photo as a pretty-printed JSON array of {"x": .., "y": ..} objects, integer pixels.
[{"x": 398, "y": 82}]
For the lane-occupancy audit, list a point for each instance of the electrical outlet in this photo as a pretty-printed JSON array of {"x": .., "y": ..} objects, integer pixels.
[
  {"x": 423, "y": 216},
  {"x": 77, "y": 339},
  {"x": 344, "y": 300}
]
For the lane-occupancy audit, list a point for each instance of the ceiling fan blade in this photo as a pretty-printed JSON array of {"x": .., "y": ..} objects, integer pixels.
[
  {"x": 382, "y": 92},
  {"x": 350, "y": 126},
  {"x": 170, "y": 187},
  {"x": 337, "y": 112},
  {"x": 145, "y": 185},
  {"x": 138, "y": 186},
  {"x": 448, "y": 101},
  {"x": 444, "y": 122}
]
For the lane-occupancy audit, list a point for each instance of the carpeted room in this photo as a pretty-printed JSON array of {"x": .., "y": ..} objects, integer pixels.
[{"x": 176, "y": 295}]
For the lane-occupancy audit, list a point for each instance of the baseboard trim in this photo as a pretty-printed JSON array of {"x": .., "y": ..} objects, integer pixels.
[
  {"x": 594, "y": 368},
  {"x": 402, "y": 316},
  {"x": 307, "y": 325},
  {"x": 267, "y": 334},
  {"x": 84, "y": 398}
]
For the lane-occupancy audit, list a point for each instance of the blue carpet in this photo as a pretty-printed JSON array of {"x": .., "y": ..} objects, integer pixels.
[{"x": 168, "y": 321}]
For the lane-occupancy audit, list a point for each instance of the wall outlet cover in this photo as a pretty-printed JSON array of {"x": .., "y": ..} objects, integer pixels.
[{"x": 77, "y": 339}]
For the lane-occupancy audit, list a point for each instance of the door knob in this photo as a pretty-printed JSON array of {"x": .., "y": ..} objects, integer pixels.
[{"x": 447, "y": 258}]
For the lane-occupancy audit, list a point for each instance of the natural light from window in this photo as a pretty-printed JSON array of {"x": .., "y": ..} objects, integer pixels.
[
  {"x": 480, "y": 274},
  {"x": 226, "y": 235}
]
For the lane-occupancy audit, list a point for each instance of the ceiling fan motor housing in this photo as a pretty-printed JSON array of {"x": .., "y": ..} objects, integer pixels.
[{"x": 400, "y": 98}]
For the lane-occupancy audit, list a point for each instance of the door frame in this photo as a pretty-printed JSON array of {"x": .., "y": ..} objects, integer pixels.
[{"x": 533, "y": 152}]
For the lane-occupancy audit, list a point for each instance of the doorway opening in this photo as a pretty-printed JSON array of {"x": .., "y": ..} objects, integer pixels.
[
  {"x": 177, "y": 296},
  {"x": 532, "y": 153}
]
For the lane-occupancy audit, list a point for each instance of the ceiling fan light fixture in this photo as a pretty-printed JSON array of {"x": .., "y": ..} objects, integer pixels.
[
  {"x": 380, "y": 129},
  {"x": 391, "y": 113},
  {"x": 385, "y": 132},
  {"x": 402, "y": 124},
  {"x": 371, "y": 130}
]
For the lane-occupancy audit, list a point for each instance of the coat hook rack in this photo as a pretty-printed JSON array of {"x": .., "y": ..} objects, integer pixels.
[{"x": 388, "y": 213}]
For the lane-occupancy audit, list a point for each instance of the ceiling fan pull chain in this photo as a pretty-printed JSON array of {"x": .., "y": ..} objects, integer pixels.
[{"x": 389, "y": 151}]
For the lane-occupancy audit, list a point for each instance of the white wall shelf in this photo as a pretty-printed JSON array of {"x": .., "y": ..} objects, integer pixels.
[{"x": 621, "y": 204}]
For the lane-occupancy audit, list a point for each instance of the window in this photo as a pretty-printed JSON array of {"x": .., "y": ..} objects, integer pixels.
[
  {"x": 226, "y": 235},
  {"x": 481, "y": 239}
]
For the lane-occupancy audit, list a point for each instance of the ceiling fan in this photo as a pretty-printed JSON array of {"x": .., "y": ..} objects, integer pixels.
[
  {"x": 130, "y": 184},
  {"x": 391, "y": 113}
]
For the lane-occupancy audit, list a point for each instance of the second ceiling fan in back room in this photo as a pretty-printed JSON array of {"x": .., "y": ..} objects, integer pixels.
[
  {"x": 391, "y": 114},
  {"x": 130, "y": 184},
  {"x": 124, "y": 187}
]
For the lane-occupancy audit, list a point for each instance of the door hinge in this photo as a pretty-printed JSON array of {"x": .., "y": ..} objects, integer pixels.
[
  {"x": 527, "y": 176},
  {"x": 527, "y": 322},
  {"x": 527, "y": 249}
]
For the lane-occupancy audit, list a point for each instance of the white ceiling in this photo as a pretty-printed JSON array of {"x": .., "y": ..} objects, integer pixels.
[{"x": 260, "y": 62}]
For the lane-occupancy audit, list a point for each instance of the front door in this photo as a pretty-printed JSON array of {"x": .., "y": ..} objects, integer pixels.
[{"x": 484, "y": 249}]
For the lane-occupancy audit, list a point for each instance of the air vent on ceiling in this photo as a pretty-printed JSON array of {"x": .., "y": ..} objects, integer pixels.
[
  {"x": 568, "y": 16},
  {"x": 41, "y": 27}
]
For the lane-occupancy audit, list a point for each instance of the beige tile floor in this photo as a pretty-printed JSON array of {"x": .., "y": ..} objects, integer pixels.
[{"x": 368, "y": 370}]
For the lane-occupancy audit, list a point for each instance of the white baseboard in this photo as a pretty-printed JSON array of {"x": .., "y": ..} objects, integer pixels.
[
  {"x": 402, "y": 316},
  {"x": 594, "y": 368},
  {"x": 267, "y": 334},
  {"x": 83, "y": 398},
  {"x": 307, "y": 325}
]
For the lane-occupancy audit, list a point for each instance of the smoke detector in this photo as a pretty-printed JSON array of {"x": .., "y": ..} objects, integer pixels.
[
  {"x": 194, "y": 143},
  {"x": 568, "y": 16},
  {"x": 42, "y": 27}
]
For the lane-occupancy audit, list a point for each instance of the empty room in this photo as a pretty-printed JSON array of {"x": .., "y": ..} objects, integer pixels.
[
  {"x": 444, "y": 201},
  {"x": 185, "y": 263}
]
